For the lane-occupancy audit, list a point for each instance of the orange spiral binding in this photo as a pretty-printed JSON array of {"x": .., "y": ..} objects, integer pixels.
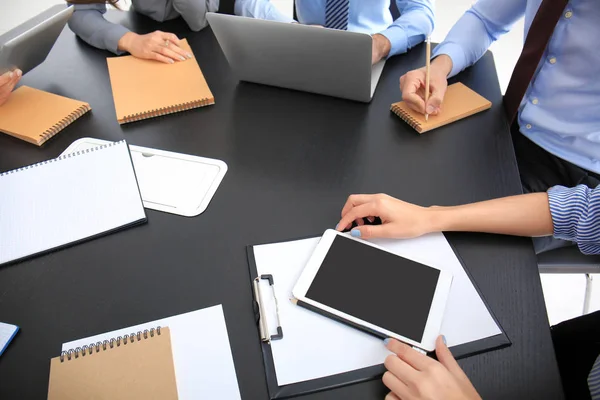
[
  {"x": 105, "y": 345},
  {"x": 167, "y": 110},
  {"x": 406, "y": 117},
  {"x": 63, "y": 123}
]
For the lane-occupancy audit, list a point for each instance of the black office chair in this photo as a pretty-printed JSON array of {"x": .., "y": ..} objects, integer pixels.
[{"x": 569, "y": 260}]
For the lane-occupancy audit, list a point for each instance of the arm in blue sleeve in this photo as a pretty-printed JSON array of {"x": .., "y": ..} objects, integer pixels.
[
  {"x": 260, "y": 9},
  {"x": 89, "y": 24},
  {"x": 477, "y": 29},
  {"x": 413, "y": 26},
  {"x": 576, "y": 216},
  {"x": 194, "y": 11}
]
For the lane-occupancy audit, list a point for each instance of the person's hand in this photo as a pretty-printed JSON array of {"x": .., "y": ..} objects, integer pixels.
[
  {"x": 160, "y": 46},
  {"x": 398, "y": 218},
  {"x": 412, "y": 86},
  {"x": 381, "y": 48},
  {"x": 414, "y": 376},
  {"x": 7, "y": 84}
]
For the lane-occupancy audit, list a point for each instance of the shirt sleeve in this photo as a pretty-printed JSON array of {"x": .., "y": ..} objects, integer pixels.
[
  {"x": 194, "y": 11},
  {"x": 477, "y": 29},
  {"x": 576, "y": 216},
  {"x": 89, "y": 24},
  {"x": 413, "y": 26},
  {"x": 260, "y": 9}
]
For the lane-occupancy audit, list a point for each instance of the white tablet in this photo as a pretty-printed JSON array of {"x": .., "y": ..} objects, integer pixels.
[{"x": 365, "y": 286}]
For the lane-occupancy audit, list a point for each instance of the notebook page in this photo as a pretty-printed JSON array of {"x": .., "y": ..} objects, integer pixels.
[
  {"x": 466, "y": 318},
  {"x": 459, "y": 102},
  {"x": 7, "y": 332},
  {"x": 65, "y": 200},
  {"x": 204, "y": 366}
]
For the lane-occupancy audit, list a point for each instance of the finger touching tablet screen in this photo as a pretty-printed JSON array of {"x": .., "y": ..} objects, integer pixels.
[{"x": 369, "y": 288}]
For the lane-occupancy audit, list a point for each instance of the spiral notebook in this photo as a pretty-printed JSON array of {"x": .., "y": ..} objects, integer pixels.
[
  {"x": 459, "y": 102},
  {"x": 146, "y": 88},
  {"x": 202, "y": 356},
  {"x": 36, "y": 116},
  {"x": 138, "y": 365},
  {"x": 66, "y": 200}
]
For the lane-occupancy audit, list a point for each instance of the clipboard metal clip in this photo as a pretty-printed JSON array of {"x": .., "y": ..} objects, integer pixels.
[{"x": 262, "y": 319}]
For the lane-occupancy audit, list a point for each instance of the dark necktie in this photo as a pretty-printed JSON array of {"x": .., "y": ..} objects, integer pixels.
[
  {"x": 336, "y": 14},
  {"x": 537, "y": 39}
]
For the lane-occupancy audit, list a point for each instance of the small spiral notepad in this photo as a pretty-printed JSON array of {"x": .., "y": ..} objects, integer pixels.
[
  {"x": 68, "y": 199},
  {"x": 36, "y": 116},
  {"x": 459, "y": 102},
  {"x": 146, "y": 88},
  {"x": 138, "y": 365}
]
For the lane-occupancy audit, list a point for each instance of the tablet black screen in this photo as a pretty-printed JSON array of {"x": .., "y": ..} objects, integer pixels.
[{"x": 376, "y": 286}]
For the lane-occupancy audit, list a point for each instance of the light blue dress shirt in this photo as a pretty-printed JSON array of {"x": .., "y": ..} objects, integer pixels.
[
  {"x": 367, "y": 16},
  {"x": 560, "y": 111}
]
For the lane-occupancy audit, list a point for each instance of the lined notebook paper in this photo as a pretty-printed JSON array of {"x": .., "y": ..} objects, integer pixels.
[
  {"x": 7, "y": 333},
  {"x": 67, "y": 199},
  {"x": 204, "y": 366},
  {"x": 146, "y": 88},
  {"x": 137, "y": 365},
  {"x": 459, "y": 102},
  {"x": 36, "y": 116}
]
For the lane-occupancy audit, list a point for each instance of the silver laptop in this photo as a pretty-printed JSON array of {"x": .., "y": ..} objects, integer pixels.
[
  {"x": 27, "y": 46},
  {"x": 318, "y": 60}
]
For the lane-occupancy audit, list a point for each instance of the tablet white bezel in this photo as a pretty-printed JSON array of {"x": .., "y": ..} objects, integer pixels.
[{"x": 436, "y": 312}]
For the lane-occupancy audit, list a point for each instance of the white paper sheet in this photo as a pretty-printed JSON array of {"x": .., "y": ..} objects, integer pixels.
[
  {"x": 201, "y": 353},
  {"x": 67, "y": 199},
  {"x": 170, "y": 182},
  {"x": 314, "y": 346}
]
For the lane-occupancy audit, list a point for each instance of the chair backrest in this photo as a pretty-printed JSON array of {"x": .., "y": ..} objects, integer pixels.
[{"x": 568, "y": 260}]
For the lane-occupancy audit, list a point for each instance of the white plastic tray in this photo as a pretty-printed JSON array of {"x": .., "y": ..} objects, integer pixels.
[{"x": 171, "y": 182}]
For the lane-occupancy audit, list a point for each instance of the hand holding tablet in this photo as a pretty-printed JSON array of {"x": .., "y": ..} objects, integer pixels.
[{"x": 371, "y": 289}]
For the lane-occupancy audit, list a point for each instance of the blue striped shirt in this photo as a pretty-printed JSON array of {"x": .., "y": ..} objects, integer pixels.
[{"x": 576, "y": 216}]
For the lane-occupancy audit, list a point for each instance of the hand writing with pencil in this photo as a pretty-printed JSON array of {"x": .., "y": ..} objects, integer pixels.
[{"x": 412, "y": 86}]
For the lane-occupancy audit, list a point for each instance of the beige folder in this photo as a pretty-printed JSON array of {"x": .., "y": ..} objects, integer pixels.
[
  {"x": 146, "y": 88},
  {"x": 35, "y": 116},
  {"x": 459, "y": 102},
  {"x": 137, "y": 366}
]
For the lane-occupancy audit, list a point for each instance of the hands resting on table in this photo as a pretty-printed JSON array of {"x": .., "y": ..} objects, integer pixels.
[
  {"x": 412, "y": 375},
  {"x": 7, "y": 84},
  {"x": 160, "y": 46}
]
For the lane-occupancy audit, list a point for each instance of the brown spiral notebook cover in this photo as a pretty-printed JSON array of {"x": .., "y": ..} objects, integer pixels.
[
  {"x": 459, "y": 102},
  {"x": 35, "y": 116},
  {"x": 146, "y": 89},
  {"x": 135, "y": 366}
]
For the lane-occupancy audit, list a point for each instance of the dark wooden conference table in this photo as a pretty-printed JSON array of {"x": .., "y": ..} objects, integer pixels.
[{"x": 293, "y": 159}]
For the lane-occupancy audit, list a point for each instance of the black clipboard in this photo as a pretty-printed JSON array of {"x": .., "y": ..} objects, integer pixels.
[{"x": 359, "y": 375}]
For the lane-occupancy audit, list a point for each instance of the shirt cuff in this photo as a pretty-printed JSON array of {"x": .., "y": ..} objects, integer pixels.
[
  {"x": 455, "y": 52},
  {"x": 564, "y": 217},
  {"x": 398, "y": 40},
  {"x": 114, "y": 34}
]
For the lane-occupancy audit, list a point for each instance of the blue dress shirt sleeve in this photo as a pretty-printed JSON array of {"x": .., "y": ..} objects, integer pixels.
[
  {"x": 576, "y": 216},
  {"x": 414, "y": 25},
  {"x": 261, "y": 9},
  {"x": 89, "y": 24},
  {"x": 477, "y": 29}
]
